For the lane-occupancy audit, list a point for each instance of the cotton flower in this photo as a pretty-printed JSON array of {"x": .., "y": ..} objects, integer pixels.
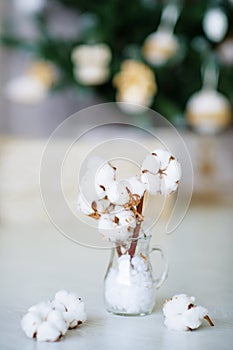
[
  {"x": 94, "y": 186},
  {"x": 44, "y": 323},
  {"x": 118, "y": 193},
  {"x": 47, "y": 331},
  {"x": 49, "y": 321},
  {"x": 136, "y": 186},
  {"x": 74, "y": 313},
  {"x": 117, "y": 227},
  {"x": 175, "y": 323},
  {"x": 42, "y": 309},
  {"x": 193, "y": 317},
  {"x": 83, "y": 206},
  {"x": 177, "y": 305},
  {"x": 161, "y": 172},
  {"x": 30, "y": 323},
  {"x": 104, "y": 178},
  {"x": 182, "y": 315},
  {"x": 97, "y": 179},
  {"x": 91, "y": 63}
]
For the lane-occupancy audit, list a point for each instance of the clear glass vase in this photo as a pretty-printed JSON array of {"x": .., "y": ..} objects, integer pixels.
[{"x": 130, "y": 284}]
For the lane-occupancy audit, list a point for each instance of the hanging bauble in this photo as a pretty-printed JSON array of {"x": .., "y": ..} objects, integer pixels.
[
  {"x": 208, "y": 111},
  {"x": 159, "y": 47},
  {"x": 215, "y": 24},
  {"x": 162, "y": 45},
  {"x": 33, "y": 85},
  {"x": 91, "y": 63},
  {"x": 135, "y": 85},
  {"x": 26, "y": 90},
  {"x": 225, "y": 52}
]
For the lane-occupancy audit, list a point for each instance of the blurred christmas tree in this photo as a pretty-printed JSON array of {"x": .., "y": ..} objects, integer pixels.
[{"x": 142, "y": 51}]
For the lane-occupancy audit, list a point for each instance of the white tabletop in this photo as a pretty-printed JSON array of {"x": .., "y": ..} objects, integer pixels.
[{"x": 37, "y": 261}]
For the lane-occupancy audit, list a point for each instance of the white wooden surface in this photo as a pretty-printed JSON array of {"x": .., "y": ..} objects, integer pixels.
[{"x": 36, "y": 261}]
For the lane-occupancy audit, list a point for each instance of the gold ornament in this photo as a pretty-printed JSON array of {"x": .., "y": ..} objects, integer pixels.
[
  {"x": 43, "y": 71},
  {"x": 208, "y": 111},
  {"x": 135, "y": 84},
  {"x": 159, "y": 47}
]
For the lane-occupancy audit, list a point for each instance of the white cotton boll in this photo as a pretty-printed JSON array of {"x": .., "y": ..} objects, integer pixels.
[
  {"x": 26, "y": 89},
  {"x": 110, "y": 230},
  {"x": 105, "y": 223},
  {"x": 97, "y": 179},
  {"x": 56, "y": 305},
  {"x": 117, "y": 193},
  {"x": 56, "y": 318},
  {"x": 87, "y": 186},
  {"x": 177, "y": 305},
  {"x": 104, "y": 178},
  {"x": 136, "y": 186},
  {"x": 83, "y": 206},
  {"x": 70, "y": 320},
  {"x": 173, "y": 170},
  {"x": 175, "y": 323},
  {"x": 193, "y": 317},
  {"x": 42, "y": 309},
  {"x": 102, "y": 205},
  {"x": 105, "y": 174},
  {"x": 30, "y": 323},
  {"x": 117, "y": 227},
  {"x": 80, "y": 310},
  {"x": 75, "y": 308},
  {"x": 150, "y": 164},
  {"x": 161, "y": 172},
  {"x": 167, "y": 186},
  {"x": 127, "y": 218},
  {"x": 47, "y": 331},
  {"x": 121, "y": 233},
  {"x": 162, "y": 157},
  {"x": 76, "y": 314},
  {"x": 66, "y": 298},
  {"x": 152, "y": 182}
]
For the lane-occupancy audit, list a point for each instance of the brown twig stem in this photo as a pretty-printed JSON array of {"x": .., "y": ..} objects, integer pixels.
[
  {"x": 208, "y": 319},
  {"x": 118, "y": 249},
  {"x": 134, "y": 242}
]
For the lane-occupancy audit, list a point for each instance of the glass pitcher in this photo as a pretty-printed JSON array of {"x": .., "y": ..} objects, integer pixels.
[{"x": 130, "y": 284}]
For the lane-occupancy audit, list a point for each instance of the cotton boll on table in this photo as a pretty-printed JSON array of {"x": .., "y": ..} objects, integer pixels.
[{"x": 181, "y": 314}]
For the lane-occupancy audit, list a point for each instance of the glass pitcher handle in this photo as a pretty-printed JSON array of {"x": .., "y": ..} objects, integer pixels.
[{"x": 160, "y": 280}]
